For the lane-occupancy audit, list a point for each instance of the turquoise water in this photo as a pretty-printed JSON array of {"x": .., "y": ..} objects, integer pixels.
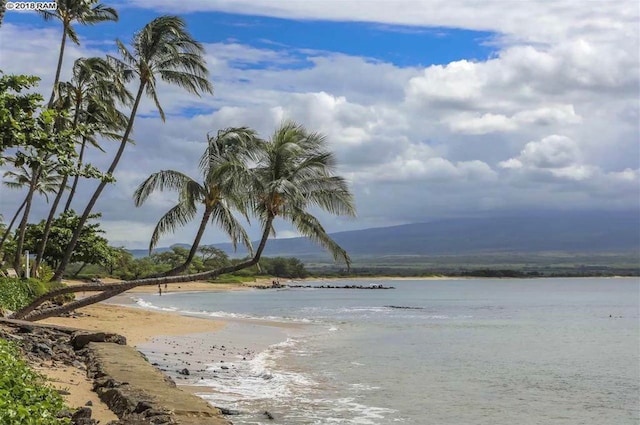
[{"x": 543, "y": 351}]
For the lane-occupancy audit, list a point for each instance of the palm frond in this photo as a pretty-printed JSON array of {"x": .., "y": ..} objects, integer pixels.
[
  {"x": 99, "y": 13},
  {"x": 309, "y": 226},
  {"x": 162, "y": 180},
  {"x": 223, "y": 217},
  {"x": 71, "y": 33},
  {"x": 178, "y": 216}
]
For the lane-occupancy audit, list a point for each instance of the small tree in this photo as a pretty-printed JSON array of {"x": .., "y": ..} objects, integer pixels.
[{"x": 92, "y": 248}]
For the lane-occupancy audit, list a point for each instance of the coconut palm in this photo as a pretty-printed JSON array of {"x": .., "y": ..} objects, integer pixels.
[
  {"x": 163, "y": 49},
  {"x": 43, "y": 179},
  {"x": 22, "y": 179},
  {"x": 92, "y": 97},
  {"x": 224, "y": 169},
  {"x": 95, "y": 85},
  {"x": 85, "y": 12},
  {"x": 295, "y": 173}
]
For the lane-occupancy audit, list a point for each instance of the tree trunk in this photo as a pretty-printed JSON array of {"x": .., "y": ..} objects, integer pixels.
[
  {"x": 63, "y": 42},
  {"x": 76, "y": 178},
  {"x": 87, "y": 211},
  {"x": 22, "y": 229},
  {"x": 54, "y": 206},
  {"x": 79, "y": 270},
  {"x": 111, "y": 290},
  {"x": 3, "y": 9},
  {"x": 47, "y": 227},
  {"x": 194, "y": 247},
  {"x": 7, "y": 232}
]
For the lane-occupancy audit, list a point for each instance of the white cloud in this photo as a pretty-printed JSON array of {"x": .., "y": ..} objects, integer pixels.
[{"x": 551, "y": 120}]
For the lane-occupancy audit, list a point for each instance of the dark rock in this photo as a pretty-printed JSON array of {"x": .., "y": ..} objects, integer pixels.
[
  {"x": 89, "y": 403},
  {"x": 268, "y": 415},
  {"x": 80, "y": 339},
  {"x": 65, "y": 414},
  {"x": 81, "y": 413},
  {"x": 25, "y": 329},
  {"x": 44, "y": 348},
  {"x": 224, "y": 367},
  {"x": 184, "y": 371},
  {"x": 142, "y": 406},
  {"x": 228, "y": 412}
]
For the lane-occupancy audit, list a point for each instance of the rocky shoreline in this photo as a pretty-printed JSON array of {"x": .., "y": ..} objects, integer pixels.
[{"x": 133, "y": 389}]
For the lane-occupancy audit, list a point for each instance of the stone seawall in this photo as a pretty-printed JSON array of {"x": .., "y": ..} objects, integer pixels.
[{"x": 133, "y": 389}]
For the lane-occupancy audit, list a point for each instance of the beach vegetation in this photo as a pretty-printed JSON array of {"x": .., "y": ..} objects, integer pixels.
[
  {"x": 92, "y": 247},
  {"x": 90, "y": 98},
  {"x": 25, "y": 398},
  {"x": 163, "y": 50},
  {"x": 294, "y": 172},
  {"x": 17, "y": 293},
  {"x": 69, "y": 12},
  {"x": 224, "y": 171},
  {"x": 286, "y": 267},
  {"x": 243, "y": 178}
]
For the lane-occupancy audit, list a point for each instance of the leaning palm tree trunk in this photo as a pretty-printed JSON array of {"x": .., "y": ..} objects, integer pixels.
[
  {"x": 7, "y": 232},
  {"x": 59, "y": 67},
  {"x": 76, "y": 178},
  {"x": 54, "y": 207},
  {"x": 22, "y": 228},
  {"x": 48, "y": 224},
  {"x": 111, "y": 290},
  {"x": 87, "y": 211}
]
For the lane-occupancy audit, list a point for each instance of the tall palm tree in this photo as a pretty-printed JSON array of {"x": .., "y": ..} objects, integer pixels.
[
  {"x": 85, "y": 12},
  {"x": 43, "y": 179},
  {"x": 165, "y": 49},
  {"x": 224, "y": 168},
  {"x": 103, "y": 118},
  {"x": 95, "y": 85},
  {"x": 295, "y": 173}
]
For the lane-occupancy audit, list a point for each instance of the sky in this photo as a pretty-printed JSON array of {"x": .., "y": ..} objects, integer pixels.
[{"x": 435, "y": 108}]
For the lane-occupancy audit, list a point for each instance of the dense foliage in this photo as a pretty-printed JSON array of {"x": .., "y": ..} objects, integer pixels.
[
  {"x": 16, "y": 293},
  {"x": 91, "y": 248},
  {"x": 291, "y": 268},
  {"x": 24, "y": 397}
]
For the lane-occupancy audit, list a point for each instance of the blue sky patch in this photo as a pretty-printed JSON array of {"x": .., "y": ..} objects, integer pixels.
[{"x": 402, "y": 46}]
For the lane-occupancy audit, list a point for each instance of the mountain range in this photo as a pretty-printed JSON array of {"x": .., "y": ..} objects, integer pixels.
[{"x": 616, "y": 232}]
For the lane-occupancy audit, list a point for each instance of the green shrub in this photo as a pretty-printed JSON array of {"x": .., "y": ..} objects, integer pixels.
[
  {"x": 24, "y": 397},
  {"x": 17, "y": 293}
]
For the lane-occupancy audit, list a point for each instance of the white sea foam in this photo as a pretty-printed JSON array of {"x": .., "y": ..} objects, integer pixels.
[
  {"x": 258, "y": 379},
  {"x": 145, "y": 304}
]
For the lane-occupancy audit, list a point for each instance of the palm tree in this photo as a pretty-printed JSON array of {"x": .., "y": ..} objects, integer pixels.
[
  {"x": 42, "y": 178},
  {"x": 95, "y": 85},
  {"x": 164, "y": 49},
  {"x": 224, "y": 168},
  {"x": 295, "y": 173},
  {"x": 85, "y": 12}
]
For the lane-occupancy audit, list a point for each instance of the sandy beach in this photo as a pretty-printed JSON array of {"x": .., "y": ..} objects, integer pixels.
[{"x": 137, "y": 325}]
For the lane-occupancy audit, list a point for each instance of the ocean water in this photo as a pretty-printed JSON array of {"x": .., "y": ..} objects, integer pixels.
[{"x": 504, "y": 351}]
